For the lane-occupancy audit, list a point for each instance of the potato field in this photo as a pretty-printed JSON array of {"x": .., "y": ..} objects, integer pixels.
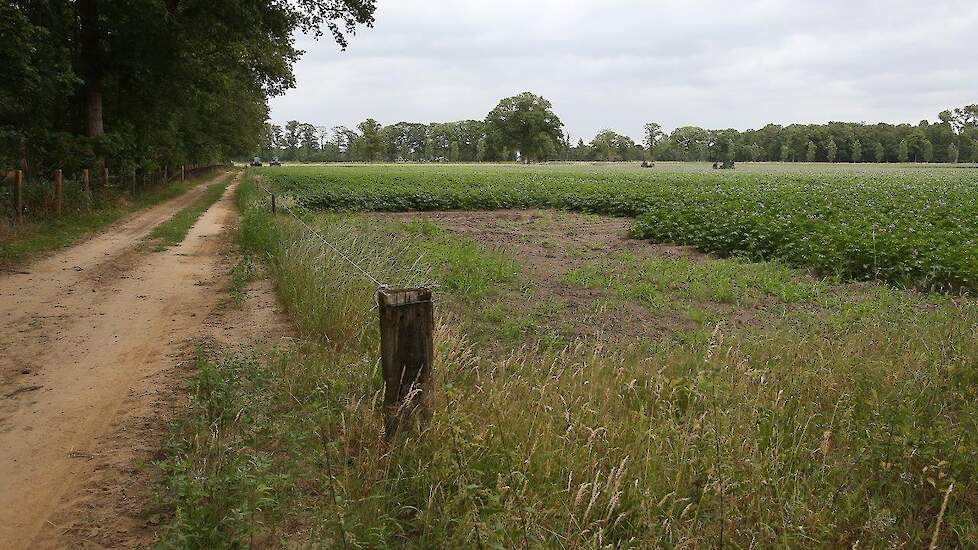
[{"x": 908, "y": 226}]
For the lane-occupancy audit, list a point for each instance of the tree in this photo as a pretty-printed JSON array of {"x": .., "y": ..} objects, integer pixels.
[
  {"x": 755, "y": 152},
  {"x": 730, "y": 150},
  {"x": 290, "y": 140},
  {"x": 810, "y": 151},
  {"x": 785, "y": 154},
  {"x": 308, "y": 141},
  {"x": 952, "y": 153},
  {"x": 692, "y": 143},
  {"x": 480, "y": 150},
  {"x": 856, "y": 150},
  {"x": 965, "y": 117},
  {"x": 653, "y": 136},
  {"x": 611, "y": 146},
  {"x": 879, "y": 153},
  {"x": 927, "y": 150},
  {"x": 903, "y": 151},
  {"x": 90, "y": 54},
  {"x": 373, "y": 143},
  {"x": 152, "y": 81},
  {"x": 525, "y": 123},
  {"x": 831, "y": 150}
]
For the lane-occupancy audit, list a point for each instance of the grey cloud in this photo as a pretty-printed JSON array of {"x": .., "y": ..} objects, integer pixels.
[{"x": 620, "y": 63}]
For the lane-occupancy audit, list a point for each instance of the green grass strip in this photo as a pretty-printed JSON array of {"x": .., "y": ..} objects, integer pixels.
[{"x": 174, "y": 230}]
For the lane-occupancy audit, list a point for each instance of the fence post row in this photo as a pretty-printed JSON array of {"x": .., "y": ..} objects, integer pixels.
[
  {"x": 86, "y": 178},
  {"x": 19, "y": 195},
  {"x": 87, "y": 184},
  {"x": 58, "y": 185},
  {"x": 407, "y": 351}
]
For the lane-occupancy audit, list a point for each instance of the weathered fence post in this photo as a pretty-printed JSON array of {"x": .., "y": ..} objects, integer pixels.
[
  {"x": 183, "y": 173},
  {"x": 87, "y": 184},
  {"x": 273, "y": 203},
  {"x": 105, "y": 177},
  {"x": 19, "y": 195},
  {"x": 406, "y": 351},
  {"x": 166, "y": 173},
  {"x": 133, "y": 192},
  {"x": 58, "y": 185}
]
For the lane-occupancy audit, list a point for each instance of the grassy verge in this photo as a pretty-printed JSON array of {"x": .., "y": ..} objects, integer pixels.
[
  {"x": 38, "y": 238},
  {"x": 174, "y": 230},
  {"x": 839, "y": 423}
]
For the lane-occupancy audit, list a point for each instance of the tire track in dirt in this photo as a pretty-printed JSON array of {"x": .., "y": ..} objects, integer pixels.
[
  {"x": 105, "y": 356},
  {"x": 30, "y": 299}
]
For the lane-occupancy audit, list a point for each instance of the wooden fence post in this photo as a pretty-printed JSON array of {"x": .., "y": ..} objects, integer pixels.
[
  {"x": 105, "y": 177},
  {"x": 166, "y": 173},
  {"x": 407, "y": 351},
  {"x": 133, "y": 193},
  {"x": 183, "y": 173},
  {"x": 87, "y": 184},
  {"x": 273, "y": 203},
  {"x": 58, "y": 185},
  {"x": 19, "y": 196}
]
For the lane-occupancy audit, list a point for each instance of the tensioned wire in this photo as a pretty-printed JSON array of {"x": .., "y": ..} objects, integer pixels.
[{"x": 326, "y": 242}]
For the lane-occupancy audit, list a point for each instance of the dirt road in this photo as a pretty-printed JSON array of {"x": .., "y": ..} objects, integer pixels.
[{"x": 89, "y": 339}]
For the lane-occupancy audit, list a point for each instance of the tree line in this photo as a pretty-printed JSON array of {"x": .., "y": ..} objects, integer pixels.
[
  {"x": 148, "y": 83},
  {"x": 524, "y": 127}
]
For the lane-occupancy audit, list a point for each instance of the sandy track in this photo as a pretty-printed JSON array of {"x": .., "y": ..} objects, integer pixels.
[{"x": 85, "y": 337}]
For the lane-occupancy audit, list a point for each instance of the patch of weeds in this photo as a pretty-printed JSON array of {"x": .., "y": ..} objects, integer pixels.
[
  {"x": 222, "y": 486},
  {"x": 241, "y": 274},
  {"x": 658, "y": 283}
]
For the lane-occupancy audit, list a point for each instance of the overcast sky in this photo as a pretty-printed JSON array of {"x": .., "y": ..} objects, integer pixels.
[{"x": 620, "y": 63}]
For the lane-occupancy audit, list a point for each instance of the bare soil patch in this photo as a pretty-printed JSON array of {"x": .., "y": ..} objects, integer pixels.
[{"x": 549, "y": 244}]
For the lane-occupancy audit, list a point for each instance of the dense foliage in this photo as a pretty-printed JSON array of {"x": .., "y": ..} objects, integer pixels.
[
  {"x": 910, "y": 227},
  {"x": 149, "y": 82},
  {"x": 954, "y": 138}
]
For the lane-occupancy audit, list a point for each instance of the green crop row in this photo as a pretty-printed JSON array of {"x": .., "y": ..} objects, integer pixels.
[{"x": 908, "y": 227}]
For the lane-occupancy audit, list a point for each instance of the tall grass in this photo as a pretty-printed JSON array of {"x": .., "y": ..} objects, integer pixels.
[{"x": 828, "y": 428}]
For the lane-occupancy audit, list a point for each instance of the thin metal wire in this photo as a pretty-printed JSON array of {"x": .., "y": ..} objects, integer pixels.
[{"x": 327, "y": 243}]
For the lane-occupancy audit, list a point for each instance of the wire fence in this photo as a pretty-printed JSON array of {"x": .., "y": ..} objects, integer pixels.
[
  {"x": 407, "y": 345},
  {"x": 320, "y": 236},
  {"x": 40, "y": 199}
]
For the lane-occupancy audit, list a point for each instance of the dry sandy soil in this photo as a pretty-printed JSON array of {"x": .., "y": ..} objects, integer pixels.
[{"x": 96, "y": 345}]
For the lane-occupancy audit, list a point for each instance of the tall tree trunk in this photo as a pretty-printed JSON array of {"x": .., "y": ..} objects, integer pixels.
[{"x": 91, "y": 57}]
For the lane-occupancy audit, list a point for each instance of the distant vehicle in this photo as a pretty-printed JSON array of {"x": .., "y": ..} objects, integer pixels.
[
  {"x": 256, "y": 161},
  {"x": 725, "y": 165},
  {"x": 275, "y": 162}
]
